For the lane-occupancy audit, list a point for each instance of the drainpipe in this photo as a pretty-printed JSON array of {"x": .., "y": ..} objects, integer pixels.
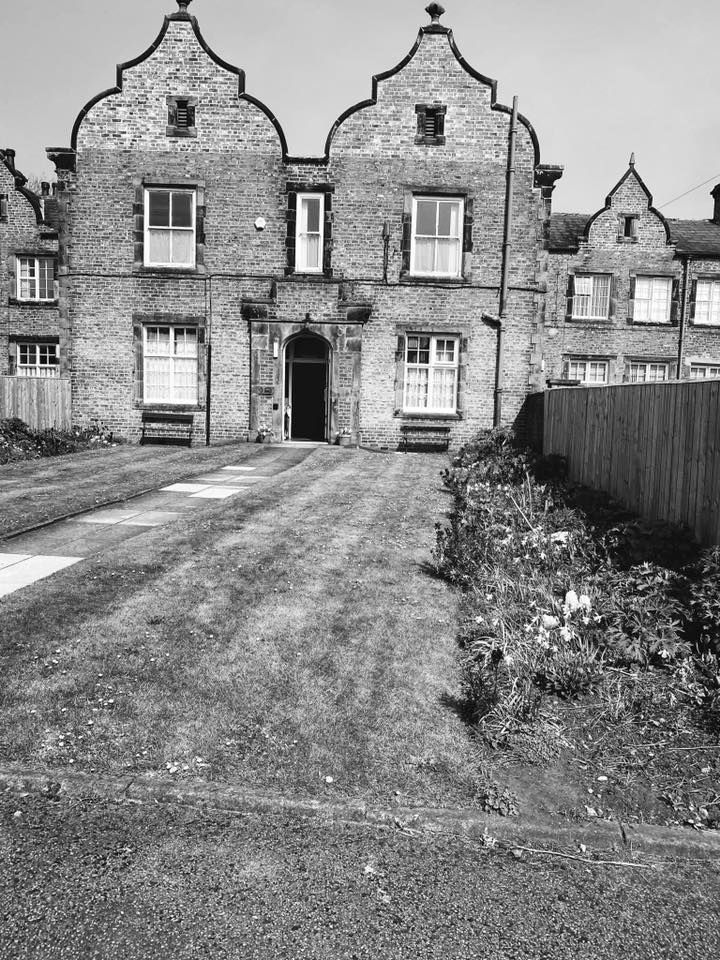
[
  {"x": 505, "y": 268},
  {"x": 208, "y": 356},
  {"x": 386, "y": 249},
  {"x": 682, "y": 318}
]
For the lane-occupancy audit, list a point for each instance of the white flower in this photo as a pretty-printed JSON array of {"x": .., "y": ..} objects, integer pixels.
[
  {"x": 561, "y": 536},
  {"x": 571, "y": 601},
  {"x": 584, "y": 602},
  {"x": 566, "y": 633},
  {"x": 549, "y": 623},
  {"x": 508, "y": 660}
]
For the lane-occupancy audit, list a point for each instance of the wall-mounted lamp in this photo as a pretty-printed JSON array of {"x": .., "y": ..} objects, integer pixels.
[
  {"x": 260, "y": 223},
  {"x": 276, "y": 349}
]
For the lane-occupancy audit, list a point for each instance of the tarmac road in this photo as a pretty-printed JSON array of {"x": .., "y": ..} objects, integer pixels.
[{"x": 96, "y": 879}]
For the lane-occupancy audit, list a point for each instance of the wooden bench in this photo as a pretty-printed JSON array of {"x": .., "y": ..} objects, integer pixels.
[
  {"x": 167, "y": 428},
  {"x": 424, "y": 437}
]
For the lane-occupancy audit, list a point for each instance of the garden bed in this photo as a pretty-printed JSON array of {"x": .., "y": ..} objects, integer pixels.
[{"x": 588, "y": 645}]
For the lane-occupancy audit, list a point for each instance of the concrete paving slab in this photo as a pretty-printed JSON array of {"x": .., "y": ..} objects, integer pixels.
[
  {"x": 8, "y": 559},
  {"x": 186, "y": 487},
  {"x": 216, "y": 493},
  {"x": 153, "y": 518},
  {"x": 110, "y": 515},
  {"x": 28, "y": 571}
]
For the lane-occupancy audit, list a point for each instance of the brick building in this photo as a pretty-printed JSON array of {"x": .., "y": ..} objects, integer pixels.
[
  {"x": 207, "y": 272},
  {"x": 632, "y": 296},
  {"x": 412, "y": 280},
  {"x": 30, "y": 340}
]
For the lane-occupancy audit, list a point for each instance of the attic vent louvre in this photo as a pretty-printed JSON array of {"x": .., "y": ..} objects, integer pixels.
[
  {"x": 182, "y": 114},
  {"x": 430, "y": 123}
]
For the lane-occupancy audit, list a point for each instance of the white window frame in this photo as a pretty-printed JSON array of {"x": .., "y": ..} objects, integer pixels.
[
  {"x": 436, "y": 366},
  {"x": 652, "y": 299},
  {"x": 149, "y": 354},
  {"x": 710, "y": 304},
  {"x": 41, "y": 360},
  {"x": 702, "y": 371},
  {"x": 459, "y": 202},
  {"x": 649, "y": 370},
  {"x": 301, "y": 264},
  {"x": 592, "y": 299},
  {"x": 587, "y": 371},
  {"x": 177, "y": 264},
  {"x": 28, "y": 271}
]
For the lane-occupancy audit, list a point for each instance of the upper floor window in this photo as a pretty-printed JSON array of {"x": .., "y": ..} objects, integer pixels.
[
  {"x": 309, "y": 232},
  {"x": 707, "y": 302},
  {"x": 431, "y": 365},
  {"x": 591, "y": 297},
  {"x": 36, "y": 278},
  {"x": 648, "y": 372},
  {"x": 169, "y": 228},
  {"x": 701, "y": 371},
  {"x": 3, "y": 207},
  {"x": 652, "y": 300},
  {"x": 587, "y": 371},
  {"x": 170, "y": 360},
  {"x": 36, "y": 359},
  {"x": 436, "y": 239},
  {"x": 430, "y": 123}
]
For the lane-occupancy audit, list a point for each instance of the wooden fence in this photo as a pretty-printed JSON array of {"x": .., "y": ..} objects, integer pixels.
[
  {"x": 653, "y": 446},
  {"x": 40, "y": 401}
]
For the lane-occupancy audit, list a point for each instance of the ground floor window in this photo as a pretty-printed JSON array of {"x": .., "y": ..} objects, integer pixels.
[
  {"x": 587, "y": 371},
  {"x": 36, "y": 359},
  {"x": 170, "y": 360},
  {"x": 700, "y": 371},
  {"x": 648, "y": 372},
  {"x": 431, "y": 368}
]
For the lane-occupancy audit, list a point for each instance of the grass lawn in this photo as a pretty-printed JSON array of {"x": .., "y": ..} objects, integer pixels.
[
  {"x": 34, "y": 491},
  {"x": 285, "y": 636}
]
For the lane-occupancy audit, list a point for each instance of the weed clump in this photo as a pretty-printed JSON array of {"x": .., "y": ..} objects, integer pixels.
[{"x": 562, "y": 585}]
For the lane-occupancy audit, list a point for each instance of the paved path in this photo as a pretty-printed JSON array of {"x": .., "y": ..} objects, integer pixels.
[{"x": 41, "y": 553}]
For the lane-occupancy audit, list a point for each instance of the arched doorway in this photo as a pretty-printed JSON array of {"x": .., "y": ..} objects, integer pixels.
[{"x": 306, "y": 393}]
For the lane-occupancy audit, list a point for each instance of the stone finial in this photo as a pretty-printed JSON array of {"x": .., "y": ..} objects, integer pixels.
[
  {"x": 183, "y": 4},
  {"x": 436, "y": 11},
  {"x": 631, "y": 162}
]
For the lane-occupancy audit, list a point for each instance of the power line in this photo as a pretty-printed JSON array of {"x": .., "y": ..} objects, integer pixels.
[{"x": 709, "y": 180}]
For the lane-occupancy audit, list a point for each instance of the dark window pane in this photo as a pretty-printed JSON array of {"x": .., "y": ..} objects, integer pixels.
[
  {"x": 159, "y": 208},
  {"x": 426, "y": 217},
  {"x": 445, "y": 220},
  {"x": 182, "y": 209},
  {"x": 313, "y": 214}
]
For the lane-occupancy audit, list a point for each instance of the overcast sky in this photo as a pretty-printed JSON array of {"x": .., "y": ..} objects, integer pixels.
[{"x": 596, "y": 79}]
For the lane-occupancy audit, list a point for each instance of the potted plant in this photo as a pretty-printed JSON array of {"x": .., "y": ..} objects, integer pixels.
[
  {"x": 344, "y": 438},
  {"x": 264, "y": 435}
]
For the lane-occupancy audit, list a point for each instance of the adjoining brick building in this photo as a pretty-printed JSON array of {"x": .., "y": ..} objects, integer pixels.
[
  {"x": 632, "y": 296},
  {"x": 410, "y": 281},
  {"x": 30, "y": 337}
]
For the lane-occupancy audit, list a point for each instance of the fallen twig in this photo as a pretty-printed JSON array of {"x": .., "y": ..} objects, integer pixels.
[{"x": 598, "y": 863}]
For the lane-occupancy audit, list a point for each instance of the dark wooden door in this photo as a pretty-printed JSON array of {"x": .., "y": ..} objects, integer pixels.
[{"x": 309, "y": 385}]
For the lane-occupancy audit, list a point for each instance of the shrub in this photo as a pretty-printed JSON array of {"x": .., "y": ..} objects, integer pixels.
[{"x": 20, "y": 442}]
